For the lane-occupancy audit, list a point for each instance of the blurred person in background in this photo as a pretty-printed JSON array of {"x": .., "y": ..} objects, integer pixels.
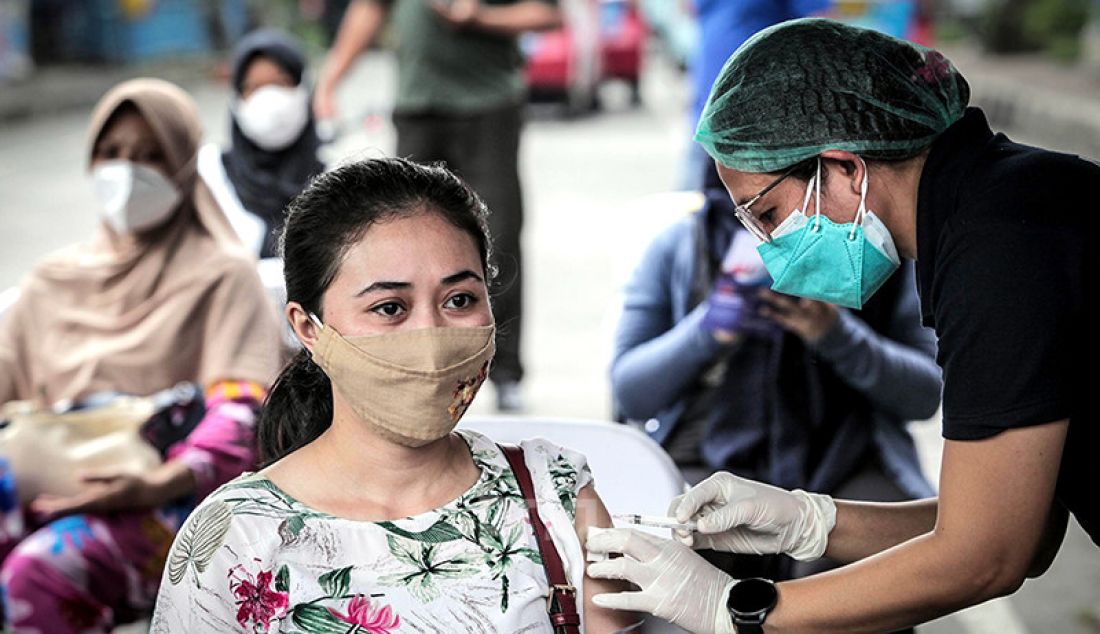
[
  {"x": 162, "y": 293},
  {"x": 460, "y": 99},
  {"x": 724, "y": 26},
  {"x": 794, "y": 392},
  {"x": 273, "y": 140}
]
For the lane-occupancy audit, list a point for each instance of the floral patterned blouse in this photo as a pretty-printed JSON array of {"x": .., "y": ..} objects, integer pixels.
[{"x": 253, "y": 559}]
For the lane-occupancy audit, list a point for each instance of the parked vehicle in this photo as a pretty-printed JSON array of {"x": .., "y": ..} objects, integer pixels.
[
  {"x": 622, "y": 42},
  {"x": 564, "y": 65},
  {"x": 674, "y": 23}
]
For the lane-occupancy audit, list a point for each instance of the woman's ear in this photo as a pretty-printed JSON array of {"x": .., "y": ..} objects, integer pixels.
[
  {"x": 304, "y": 327},
  {"x": 851, "y": 167}
]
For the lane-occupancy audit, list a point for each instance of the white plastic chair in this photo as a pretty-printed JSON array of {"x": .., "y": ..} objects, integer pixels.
[
  {"x": 8, "y": 297},
  {"x": 632, "y": 473}
]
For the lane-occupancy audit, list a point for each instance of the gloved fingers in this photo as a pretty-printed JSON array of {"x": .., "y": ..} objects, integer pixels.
[
  {"x": 641, "y": 546},
  {"x": 685, "y": 537},
  {"x": 733, "y": 515},
  {"x": 623, "y": 568},
  {"x": 630, "y": 601},
  {"x": 700, "y": 541},
  {"x": 674, "y": 504},
  {"x": 709, "y": 491}
]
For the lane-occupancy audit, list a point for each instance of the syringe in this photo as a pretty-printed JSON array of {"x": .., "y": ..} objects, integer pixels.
[{"x": 654, "y": 521}]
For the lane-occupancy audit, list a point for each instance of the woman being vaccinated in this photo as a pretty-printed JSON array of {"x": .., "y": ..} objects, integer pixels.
[{"x": 372, "y": 512}]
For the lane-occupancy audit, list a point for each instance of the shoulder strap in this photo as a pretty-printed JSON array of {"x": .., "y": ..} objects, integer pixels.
[{"x": 562, "y": 605}]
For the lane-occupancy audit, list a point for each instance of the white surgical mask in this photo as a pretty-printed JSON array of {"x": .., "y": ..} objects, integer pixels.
[
  {"x": 273, "y": 117},
  {"x": 133, "y": 197}
]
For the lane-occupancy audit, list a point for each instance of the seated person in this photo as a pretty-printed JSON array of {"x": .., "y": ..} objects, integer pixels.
[
  {"x": 162, "y": 293},
  {"x": 794, "y": 392},
  {"x": 371, "y": 510},
  {"x": 273, "y": 139}
]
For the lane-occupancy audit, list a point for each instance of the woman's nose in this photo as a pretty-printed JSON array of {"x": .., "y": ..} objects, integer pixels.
[{"x": 428, "y": 316}]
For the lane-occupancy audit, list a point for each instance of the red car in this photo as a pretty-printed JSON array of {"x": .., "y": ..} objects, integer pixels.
[
  {"x": 622, "y": 43},
  {"x": 601, "y": 39},
  {"x": 564, "y": 64}
]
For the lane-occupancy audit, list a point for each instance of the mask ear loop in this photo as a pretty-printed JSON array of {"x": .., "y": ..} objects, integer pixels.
[
  {"x": 806, "y": 199},
  {"x": 817, "y": 196},
  {"x": 861, "y": 212}
]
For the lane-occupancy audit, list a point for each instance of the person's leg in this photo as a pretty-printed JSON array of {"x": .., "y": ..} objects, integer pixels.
[
  {"x": 85, "y": 573},
  {"x": 419, "y": 137},
  {"x": 486, "y": 153}
]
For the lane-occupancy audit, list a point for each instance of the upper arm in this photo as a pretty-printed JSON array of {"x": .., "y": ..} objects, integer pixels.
[
  {"x": 241, "y": 337},
  {"x": 647, "y": 300},
  {"x": 592, "y": 512},
  {"x": 996, "y": 496}
]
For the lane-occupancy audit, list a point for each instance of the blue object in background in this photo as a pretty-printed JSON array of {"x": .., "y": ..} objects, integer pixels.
[
  {"x": 15, "y": 55},
  {"x": 892, "y": 17},
  {"x": 9, "y": 501},
  {"x": 102, "y": 30}
]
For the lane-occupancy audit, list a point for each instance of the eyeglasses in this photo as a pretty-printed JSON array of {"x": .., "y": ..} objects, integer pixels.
[{"x": 751, "y": 222}]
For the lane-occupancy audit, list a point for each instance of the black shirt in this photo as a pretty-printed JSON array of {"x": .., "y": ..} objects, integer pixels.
[{"x": 1008, "y": 269}]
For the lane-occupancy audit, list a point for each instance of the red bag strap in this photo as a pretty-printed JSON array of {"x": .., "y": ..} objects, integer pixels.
[{"x": 562, "y": 605}]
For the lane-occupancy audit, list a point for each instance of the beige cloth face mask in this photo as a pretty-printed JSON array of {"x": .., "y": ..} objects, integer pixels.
[{"x": 413, "y": 386}]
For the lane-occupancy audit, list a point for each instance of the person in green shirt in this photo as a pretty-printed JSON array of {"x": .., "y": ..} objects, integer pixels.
[{"x": 460, "y": 96}]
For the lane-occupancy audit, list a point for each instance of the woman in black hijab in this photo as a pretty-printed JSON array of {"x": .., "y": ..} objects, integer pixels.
[{"x": 274, "y": 143}]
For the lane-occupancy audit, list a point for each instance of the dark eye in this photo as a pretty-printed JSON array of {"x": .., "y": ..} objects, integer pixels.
[
  {"x": 154, "y": 157},
  {"x": 768, "y": 217},
  {"x": 389, "y": 309},
  {"x": 106, "y": 152},
  {"x": 460, "y": 301}
]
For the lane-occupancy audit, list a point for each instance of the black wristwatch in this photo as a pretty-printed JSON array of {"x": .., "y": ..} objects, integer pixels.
[{"x": 749, "y": 602}]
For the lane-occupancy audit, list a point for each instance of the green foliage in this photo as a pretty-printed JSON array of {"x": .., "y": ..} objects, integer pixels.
[{"x": 1054, "y": 26}]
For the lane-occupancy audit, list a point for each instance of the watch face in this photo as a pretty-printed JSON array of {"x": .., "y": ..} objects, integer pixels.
[{"x": 751, "y": 596}]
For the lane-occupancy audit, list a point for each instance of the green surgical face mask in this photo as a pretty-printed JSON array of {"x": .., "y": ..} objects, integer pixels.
[{"x": 816, "y": 258}]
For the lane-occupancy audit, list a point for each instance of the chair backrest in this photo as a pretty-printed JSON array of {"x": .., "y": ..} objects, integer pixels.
[
  {"x": 8, "y": 297},
  {"x": 633, "y": 474}
]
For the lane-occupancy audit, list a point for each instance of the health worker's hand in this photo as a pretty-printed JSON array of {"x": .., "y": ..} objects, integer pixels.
[
  {"x": 676, "y": 583},
  {"x": 736, "y": 515}
]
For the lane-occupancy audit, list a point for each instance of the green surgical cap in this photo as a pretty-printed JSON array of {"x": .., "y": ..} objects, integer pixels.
[{"x": 805, "y": 86}]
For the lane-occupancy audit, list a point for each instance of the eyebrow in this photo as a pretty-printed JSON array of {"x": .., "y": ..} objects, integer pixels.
[
  {"x": 450, "y": 280},
  {"x": 461, "y": 276}
]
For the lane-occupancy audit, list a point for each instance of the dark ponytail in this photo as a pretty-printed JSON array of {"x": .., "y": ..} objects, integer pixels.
[{"x": 322, "y": 223}]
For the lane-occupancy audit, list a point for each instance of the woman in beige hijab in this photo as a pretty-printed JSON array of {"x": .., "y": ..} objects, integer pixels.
[{"x": 161, "y": 294}]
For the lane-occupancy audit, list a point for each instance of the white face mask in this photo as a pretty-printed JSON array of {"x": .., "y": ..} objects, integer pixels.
[
  {"x": 133, "y": 197},
  {"x": 797, "y": 218},
  {"x": 273, "y": 117}
]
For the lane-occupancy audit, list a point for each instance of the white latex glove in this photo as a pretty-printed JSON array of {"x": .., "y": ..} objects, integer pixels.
[
  {"x": 676, "y": 583},
  {"x": 742, "y": 516}
]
